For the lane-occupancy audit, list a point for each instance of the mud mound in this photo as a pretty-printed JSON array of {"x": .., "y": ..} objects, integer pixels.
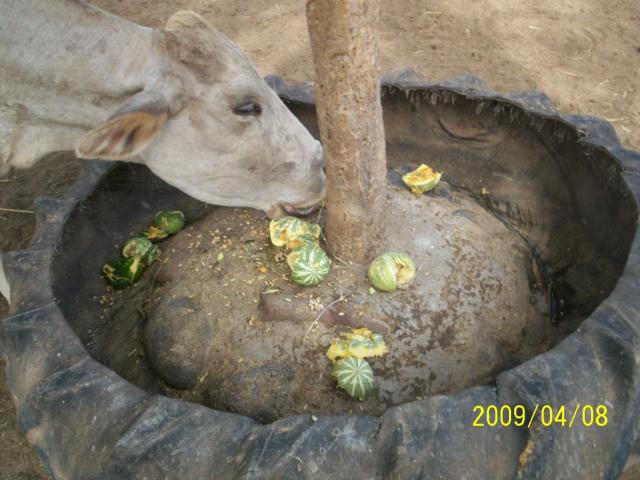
[{"x": 227, "y": 323}]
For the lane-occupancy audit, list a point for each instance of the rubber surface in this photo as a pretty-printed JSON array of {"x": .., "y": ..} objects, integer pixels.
[{"x": 86, "y": 422}]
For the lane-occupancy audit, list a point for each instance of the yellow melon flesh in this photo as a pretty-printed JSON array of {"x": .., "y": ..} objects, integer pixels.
[{"x": 422, "y": 179}]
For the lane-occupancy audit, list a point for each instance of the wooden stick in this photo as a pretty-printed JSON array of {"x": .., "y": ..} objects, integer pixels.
[
  {"x": 15, "y": 210},
  {"x": 315, "y": 321}
]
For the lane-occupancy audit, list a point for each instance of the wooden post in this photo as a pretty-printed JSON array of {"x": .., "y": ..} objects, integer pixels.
[{"x": 344, "y": 41}]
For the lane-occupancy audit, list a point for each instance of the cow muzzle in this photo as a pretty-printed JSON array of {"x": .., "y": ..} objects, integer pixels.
[{"x": 299, "y": 211}]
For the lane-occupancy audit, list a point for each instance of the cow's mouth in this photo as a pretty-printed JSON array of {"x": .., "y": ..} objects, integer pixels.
[{"x": 299, "y": 211}]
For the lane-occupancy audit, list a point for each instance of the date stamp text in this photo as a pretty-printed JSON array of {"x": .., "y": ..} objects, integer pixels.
[{"x": 548, "y": 415}]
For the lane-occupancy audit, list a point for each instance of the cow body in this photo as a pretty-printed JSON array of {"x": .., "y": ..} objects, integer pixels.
[
  {"x": 63, "y": 71},
  {"x": 183, "y": 100}
]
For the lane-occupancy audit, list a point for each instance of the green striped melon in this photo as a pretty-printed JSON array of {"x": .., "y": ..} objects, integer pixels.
[
  {"x": 309, "y": 265},
  {"x": 391, "y": 271},
  {"x": 359, "y": 343},
  {"x": 303, "y": 240},
  {"x": 355, "y": 376},
  {"x": 123, "y": 272},
  {"x": 171, "y": 221},
  {"x": 286, "y": 231},
  {"x": 422, "y": 179},
  {"x": 141, "y": 247},
  {"x": 154, "y": 233}
]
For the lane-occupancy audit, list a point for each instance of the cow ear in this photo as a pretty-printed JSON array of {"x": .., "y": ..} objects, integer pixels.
[
  {"x": 128, "y": 131},
  {"x": 191, "y": 40}
]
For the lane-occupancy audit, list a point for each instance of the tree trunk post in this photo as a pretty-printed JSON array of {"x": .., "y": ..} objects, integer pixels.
[{"x": 344, "y": 42}]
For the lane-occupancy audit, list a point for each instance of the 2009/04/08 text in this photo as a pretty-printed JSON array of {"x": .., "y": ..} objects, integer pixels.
[{"x": 548, "y": 415}]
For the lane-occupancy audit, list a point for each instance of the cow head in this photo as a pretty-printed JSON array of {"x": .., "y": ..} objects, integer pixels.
[{"x": 208, "y": 124}]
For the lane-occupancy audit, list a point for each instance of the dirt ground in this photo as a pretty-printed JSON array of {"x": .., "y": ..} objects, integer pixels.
[{"x": 585, "y": 54}]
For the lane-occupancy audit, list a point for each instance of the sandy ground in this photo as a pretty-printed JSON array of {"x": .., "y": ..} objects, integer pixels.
[{"x": 585, "y": 54}]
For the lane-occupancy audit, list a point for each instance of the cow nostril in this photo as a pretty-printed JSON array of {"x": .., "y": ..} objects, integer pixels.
[{"x": 324, "y": 169}]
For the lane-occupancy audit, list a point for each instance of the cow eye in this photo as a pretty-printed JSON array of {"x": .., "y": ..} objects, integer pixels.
[{"x": 248, "y": 108}]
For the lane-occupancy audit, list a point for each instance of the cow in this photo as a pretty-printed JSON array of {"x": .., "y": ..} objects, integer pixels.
[{"x": 182, "y": 100}]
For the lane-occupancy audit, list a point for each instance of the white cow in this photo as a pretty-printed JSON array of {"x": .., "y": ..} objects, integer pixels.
[{"x": 183, "y": 100}]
